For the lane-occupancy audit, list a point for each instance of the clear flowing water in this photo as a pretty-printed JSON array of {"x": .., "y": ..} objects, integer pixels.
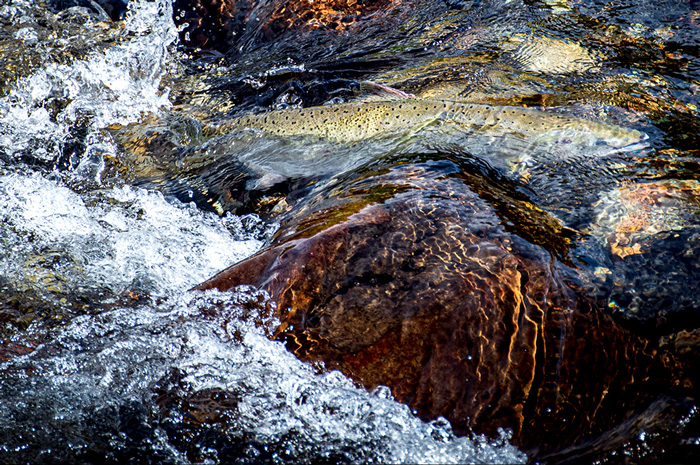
[
  {"x": 107, "y": 186},
  {"x": 102, "y": 342}
]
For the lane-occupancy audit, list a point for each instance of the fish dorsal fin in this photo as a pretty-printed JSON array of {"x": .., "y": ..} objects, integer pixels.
[{"x": 374, "y": 91}]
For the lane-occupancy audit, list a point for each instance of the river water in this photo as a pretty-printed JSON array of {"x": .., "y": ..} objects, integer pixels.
[{"x": 105, "y": 356}]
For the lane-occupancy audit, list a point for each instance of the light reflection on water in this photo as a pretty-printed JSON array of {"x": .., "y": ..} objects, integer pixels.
[
  {"x": 94, "y": 276},
  {"x": 84, "y": 259}
]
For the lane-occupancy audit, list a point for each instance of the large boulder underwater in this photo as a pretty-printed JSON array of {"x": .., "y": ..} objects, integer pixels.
[
  {"x": 438, "y": 276},
  {"x": 411, "y": 277}
]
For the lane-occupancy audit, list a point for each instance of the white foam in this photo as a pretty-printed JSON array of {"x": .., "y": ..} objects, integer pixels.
[
  {"x": 115, "y": 86},
  {"x": 125, "y": 237}
]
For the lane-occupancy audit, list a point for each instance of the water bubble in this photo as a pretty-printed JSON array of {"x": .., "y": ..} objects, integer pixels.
[{"x": 382, "y": 392}]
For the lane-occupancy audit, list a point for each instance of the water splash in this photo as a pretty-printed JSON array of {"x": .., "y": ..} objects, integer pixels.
[
  {"x": 116, "y": 85},
  {"x": 118, "y": 239},
  {"x": 99, "y": 374}
]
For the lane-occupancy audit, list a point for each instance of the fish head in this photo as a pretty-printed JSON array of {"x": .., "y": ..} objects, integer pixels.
[
  {"x": 601, "y": 140},
  {"x": 627, "y": 140}
]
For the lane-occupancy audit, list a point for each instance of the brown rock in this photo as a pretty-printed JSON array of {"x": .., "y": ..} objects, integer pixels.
[
  {"x": 218, "y": 24},
  {"x": 411, "y": 280}
]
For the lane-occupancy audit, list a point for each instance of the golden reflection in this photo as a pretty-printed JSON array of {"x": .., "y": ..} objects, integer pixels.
[
  {"x": 335, "y": 15},
  {"x": 633, "y": 213}
]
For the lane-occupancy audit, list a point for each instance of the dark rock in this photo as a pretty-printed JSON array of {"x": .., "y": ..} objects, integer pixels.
[{"x": 222, "y": 24}]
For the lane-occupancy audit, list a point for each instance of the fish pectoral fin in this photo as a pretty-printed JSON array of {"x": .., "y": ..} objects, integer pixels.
[{"x": 374, "y": 91}]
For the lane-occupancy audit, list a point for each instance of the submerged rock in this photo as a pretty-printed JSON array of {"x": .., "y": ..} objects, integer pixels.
[
  {"x": 552, "y": 56},
  {"x": 651, "y": 231},
  {"x": 412, "y": 278},
  {"x": 221, "y": 24}
]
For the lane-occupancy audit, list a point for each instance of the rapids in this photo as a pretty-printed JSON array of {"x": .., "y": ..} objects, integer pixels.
[
  {"x": 114, "y": 205},
  {"x": 98, "y": 326}
]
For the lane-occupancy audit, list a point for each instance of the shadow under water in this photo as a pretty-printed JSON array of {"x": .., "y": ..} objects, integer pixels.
[{"x": 498, "y": 237}]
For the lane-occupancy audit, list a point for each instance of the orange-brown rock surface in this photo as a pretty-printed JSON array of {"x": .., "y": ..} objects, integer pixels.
[
  {"x": 217, "y": 24},
  {"x": 410, "y": 279}
]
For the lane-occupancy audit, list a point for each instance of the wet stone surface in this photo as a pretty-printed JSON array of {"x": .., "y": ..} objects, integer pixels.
[
  {"x": 426, "y": 293},
  {"x": 417, "y": 288}
]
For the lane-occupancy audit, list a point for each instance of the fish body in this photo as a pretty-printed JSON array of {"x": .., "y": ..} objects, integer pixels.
[
  {"x": 358, "y": 121},
  {"x": 305, "y": 144}
]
